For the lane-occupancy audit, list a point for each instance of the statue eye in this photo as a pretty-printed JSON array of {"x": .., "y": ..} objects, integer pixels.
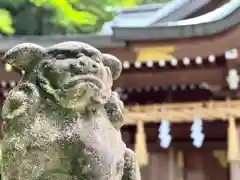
[
  {"x": 96, "y": 58},
  {"x": 60, "y": 56}
]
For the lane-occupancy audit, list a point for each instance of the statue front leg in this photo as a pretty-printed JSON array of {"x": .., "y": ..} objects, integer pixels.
[{"x": 131, "y": 168}]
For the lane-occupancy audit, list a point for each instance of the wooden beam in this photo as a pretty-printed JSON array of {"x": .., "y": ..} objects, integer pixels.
[
  {"x": 181, "y": 106},
  {"x": 182, "y": 116},
  {"x": 177, "y": 114}
]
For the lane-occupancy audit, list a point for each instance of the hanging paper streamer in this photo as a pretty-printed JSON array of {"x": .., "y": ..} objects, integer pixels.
[
  {"x": 141, "y": 145},
  {"x": 196, "y": 132},
  {"x": 164, "y": 134}
]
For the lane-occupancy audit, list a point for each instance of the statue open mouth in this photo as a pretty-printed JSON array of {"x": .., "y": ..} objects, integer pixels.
[{"x": 79, "y": 89}]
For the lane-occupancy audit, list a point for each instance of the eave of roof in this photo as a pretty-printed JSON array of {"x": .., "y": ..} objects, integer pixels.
[
  {"x": 160, "y": 32},
  {"x": 96, "y": 40},
  {"x": 142, "y": 8},
  {"x": 174, "y": 30}
]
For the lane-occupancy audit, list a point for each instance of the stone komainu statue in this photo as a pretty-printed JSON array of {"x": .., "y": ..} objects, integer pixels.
[{"x": 63, "y": 120}]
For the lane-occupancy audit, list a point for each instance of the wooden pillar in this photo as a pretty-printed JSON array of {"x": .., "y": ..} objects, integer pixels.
[
  {"x": 180, "y": 165},
  {"x": 171, "y": 168},
  {"x": 233, "y": 149},
  {"x": 234, "y": 168}
]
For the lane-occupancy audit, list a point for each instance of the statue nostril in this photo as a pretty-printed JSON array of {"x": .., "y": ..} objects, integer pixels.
[{"x": 81, "y": 63}]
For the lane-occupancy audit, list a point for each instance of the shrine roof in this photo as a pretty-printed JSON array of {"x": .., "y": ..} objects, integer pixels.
[
  {"x": 212, "y": 23},
  {"x": 208, "y": 24}
]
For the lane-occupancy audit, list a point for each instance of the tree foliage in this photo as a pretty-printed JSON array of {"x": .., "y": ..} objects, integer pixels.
[
  {"x": 57, "y": 16},
  {"x": 6, "y": 22}
]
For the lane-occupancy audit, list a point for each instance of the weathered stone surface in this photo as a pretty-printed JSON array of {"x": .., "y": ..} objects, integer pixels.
[{"x": 63, "y": 120}]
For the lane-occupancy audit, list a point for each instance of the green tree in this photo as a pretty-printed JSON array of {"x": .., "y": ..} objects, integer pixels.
[
  {"x": 25, "y": 17},
  {"x": 6, "y": 22},
  {"x": 56, "y": 16}
]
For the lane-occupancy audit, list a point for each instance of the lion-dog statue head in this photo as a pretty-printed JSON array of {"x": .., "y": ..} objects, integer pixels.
[{"x": 74, "y": 73}]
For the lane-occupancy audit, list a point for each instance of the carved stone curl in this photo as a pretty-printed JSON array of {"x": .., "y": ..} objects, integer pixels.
[{"x": 63, "y": 120}]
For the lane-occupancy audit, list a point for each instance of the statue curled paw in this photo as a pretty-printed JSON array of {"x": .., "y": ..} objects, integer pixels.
[{"x": 114, "y": 108}]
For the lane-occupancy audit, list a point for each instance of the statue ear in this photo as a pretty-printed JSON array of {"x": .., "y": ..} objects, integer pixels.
[
  {"x": 114, "y": 64},
  {"x": 24, "y": 56}
]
